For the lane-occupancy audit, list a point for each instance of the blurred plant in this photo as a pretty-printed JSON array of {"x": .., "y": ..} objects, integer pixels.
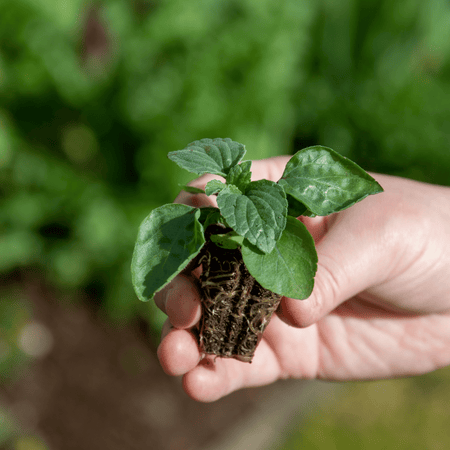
[
  {"x": 94, "y": 95},
  {"x": 403, "y": 414},
  {"x": 83, "y": 154},
  {"x": 15, "y": 315},
  {"x": 378, "y": 85}
]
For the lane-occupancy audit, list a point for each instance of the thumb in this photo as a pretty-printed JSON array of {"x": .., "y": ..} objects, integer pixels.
[{"x": 352, "y": 256}]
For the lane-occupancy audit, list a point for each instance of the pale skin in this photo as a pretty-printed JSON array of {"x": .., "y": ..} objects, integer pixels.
[{"x": 380, "y": 307}]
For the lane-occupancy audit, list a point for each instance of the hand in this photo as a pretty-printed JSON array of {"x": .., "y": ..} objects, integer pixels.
[{"x": 380, "y": 307}]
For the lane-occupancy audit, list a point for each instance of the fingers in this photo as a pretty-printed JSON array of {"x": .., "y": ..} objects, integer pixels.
[
  {"x": 178, "y": 351},
  {"x": 270, "y": 169},
  {"x": 284, "y": 352},
  {"x": 354, "y": 254},
  {"x": 180, "y": 300},
  {"x": 198, "y": 200},
  {"x": 210, "y": 380}
]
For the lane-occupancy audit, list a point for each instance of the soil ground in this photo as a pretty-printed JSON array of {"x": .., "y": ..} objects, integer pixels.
[{"x": 101, "y": 387}]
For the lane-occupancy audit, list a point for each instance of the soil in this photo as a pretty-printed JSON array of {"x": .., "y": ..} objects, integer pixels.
[
  {"x": 235, "y": 307},
  {"x": 101, "y": 386}
]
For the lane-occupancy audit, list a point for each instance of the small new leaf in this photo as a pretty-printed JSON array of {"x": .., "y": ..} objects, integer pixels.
[
  {"x": 215, "y": 156},
  {"x": 259, "y": 214},
  {"x": 210, "y": 216},
  {"x": 214, "y": 187},
  {"x": 227, "y": 241},
  {"x": 325, "y": 181},
  {"x": 240, "y": 175}
]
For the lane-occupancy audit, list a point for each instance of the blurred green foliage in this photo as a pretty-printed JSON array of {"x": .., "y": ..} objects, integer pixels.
[
  {"x": 15, "y": 314},
  {"x": 406, "y": 414},
  {"x": 93, "y": 95}
]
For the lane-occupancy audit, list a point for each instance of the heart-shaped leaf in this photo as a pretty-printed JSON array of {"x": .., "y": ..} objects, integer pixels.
[
  {"x": 168, "y": 238},
  {"x": 259, "y": 214},
  {"x": 290, "y": 267},
  {"x": 325, "y": 181},
  {"x": 216, "y": 156}
]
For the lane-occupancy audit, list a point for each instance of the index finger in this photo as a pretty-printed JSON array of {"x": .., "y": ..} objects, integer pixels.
[
  {"x": 180, "y": 300},
  {"x": 198, "y": 200}
]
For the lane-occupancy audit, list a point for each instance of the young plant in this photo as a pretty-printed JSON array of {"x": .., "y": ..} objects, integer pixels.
[{"x": 252, "y": 248}]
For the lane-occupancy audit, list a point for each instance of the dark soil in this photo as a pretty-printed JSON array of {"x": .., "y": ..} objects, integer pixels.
[
  {"x": 101, "y": 386},
  {"x": 235, "y": 307}
]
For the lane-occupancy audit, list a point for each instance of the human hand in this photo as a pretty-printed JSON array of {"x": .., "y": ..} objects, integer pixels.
[{"x": 380, "y": 307}]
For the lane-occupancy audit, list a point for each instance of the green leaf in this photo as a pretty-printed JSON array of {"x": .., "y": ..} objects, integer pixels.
[
  {"x": 295, "y": 208},
  {"x": 216, "y": 156},
  {"x": 168, "y": 238},
  {"x": 214, "y": 187},
  {"x": 258, "y": 215},
  {"x": 325, "y": 181},
  {"x": 240, "y": 175},
  {"x": 228, "y": 240},
  {"x": 191, "y": 189},
  {"x": 289, "y": 269},
  {"x": 210, "y": 216}
]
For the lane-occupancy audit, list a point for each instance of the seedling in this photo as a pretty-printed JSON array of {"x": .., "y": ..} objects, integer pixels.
[{"x": 253, "y": 250}]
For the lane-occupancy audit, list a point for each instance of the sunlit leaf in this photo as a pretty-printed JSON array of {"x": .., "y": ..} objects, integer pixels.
[
  {"x": 290, "y": 267},
  {"x": 216, "y": 156},
  {"x": 240, "y": 175},
  {"x": 168, "y": 238},
  {"x": 325, "y": 181},
  {"x": 259, "y": 214},
  {"x": 214, "y": 187}
]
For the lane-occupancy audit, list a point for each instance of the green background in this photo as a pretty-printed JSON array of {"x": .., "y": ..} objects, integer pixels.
[{"x": 93, "y": 95}]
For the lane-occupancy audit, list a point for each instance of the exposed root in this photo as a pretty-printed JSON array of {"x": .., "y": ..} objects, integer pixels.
[{"x": 235, "y": 307}]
